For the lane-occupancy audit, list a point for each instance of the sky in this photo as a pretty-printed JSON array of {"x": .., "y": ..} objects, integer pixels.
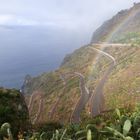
[
  {"x": 70, "y": 14},
  {"x": 38, "y": 28}
]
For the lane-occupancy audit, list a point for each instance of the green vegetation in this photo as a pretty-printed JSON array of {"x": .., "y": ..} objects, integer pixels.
[
  {"x": 5, "y": 131},
  {"x": 133, "y": 37},
  {"x": 123, "y": 124},
  {"x": 13, "y": 110}
]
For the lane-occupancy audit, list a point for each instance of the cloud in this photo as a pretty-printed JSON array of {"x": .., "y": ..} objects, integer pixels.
[
  {"x": 4, "y": 19},
  {"x": 69, "y": 14},
  {"x": 15, "y": 20},
  {"x": 58, "y": 22}
]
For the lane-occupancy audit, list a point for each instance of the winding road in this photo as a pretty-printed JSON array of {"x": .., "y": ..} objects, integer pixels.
[
  {"x": 38, "y": 114},
  {"x": 105, "y": 44},
  {"x": 85, "y": 95},
  {"x": 40, "y": 106},
  {"x": 31, "y": 102},
  {"x": 97, "y": 99}
]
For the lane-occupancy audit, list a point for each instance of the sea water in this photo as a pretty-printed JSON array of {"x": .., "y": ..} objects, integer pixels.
[{"x": 33, "y": 50}]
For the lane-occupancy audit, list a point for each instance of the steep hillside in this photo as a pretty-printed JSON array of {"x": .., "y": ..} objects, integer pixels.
[
  {"x": 110, "y": 70},
  {"x": 125, "y": 23},
  {"x": 51, "y": 85}
]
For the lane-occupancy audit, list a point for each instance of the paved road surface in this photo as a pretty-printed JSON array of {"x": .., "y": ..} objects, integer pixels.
[
  {"x": 97, "y": 99},
  {"x": 85, "y": 95},
  {"x": 110, "y": 44}
]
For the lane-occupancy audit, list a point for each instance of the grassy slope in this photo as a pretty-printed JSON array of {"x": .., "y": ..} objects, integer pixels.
[
  {"x": 116, "y": 88},
  {"x": 123, "y": 88},
  {"x": 52, "y": 85}
]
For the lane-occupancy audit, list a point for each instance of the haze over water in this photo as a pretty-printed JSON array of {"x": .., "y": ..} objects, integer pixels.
[{"x": 33, "y": 50}]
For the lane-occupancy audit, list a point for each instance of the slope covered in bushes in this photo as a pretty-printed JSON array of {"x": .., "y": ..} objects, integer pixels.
[{"x": 13, "y": 109}]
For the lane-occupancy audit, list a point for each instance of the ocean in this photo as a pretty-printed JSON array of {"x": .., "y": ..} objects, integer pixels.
[{"x": 33, "y": 50}]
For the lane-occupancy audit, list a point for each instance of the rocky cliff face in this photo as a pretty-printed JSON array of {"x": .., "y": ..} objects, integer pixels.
[{"x": 55, "y": 95}]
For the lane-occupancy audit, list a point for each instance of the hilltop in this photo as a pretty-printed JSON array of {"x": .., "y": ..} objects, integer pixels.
[
  {"x": 54, "y": 95},
  {"x": 125, "y": 24}
]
